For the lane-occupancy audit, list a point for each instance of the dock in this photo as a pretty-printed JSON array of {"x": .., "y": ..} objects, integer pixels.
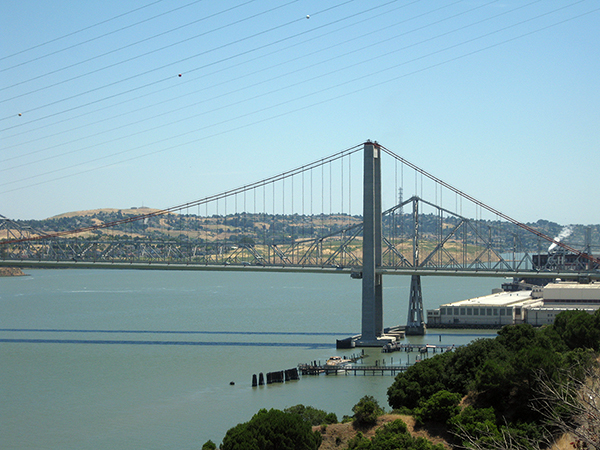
[
  {"x": 421, "y": 348},
  {"x": 351, "y": 369},
  {"x": 380, "y": 367},
  {"x": 352, "y": 365}
]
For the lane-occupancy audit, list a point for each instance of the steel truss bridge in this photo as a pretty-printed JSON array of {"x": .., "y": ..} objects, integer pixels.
[{"x": 324, "y": 216}]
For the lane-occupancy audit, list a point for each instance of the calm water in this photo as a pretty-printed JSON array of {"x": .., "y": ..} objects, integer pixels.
[{"x": 94, "y": 359}]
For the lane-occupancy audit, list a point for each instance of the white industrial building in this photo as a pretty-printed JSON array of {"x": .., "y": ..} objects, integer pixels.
[{"x": 529, "y": 304}]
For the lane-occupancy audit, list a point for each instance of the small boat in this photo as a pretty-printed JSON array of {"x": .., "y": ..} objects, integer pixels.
[{"x": 337, "y": 362}]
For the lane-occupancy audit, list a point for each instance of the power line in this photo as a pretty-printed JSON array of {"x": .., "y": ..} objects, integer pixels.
[
  {"x": 237, "y": 55},
  {"x": 212, "y": 99},
  {"x": 228, "y": 68},
  {"x": 284, "y": 88},
  {"x": 97, "y": 37},
  {"x": 221, "y": 47},
  {"x": 76, "y": 32},
  {"x": 404, "y": 75},
  {"x": 123, "y": 47}
]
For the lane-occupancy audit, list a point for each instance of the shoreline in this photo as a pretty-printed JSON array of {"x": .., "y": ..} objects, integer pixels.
[{"x": 11, "y": 272}]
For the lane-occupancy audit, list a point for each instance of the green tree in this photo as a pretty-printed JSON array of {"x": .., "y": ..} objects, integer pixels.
[
  {"x": 472, "y": 421},
  {"x": 209, "y": 445},
  {"x": 467, "y": 363},
  {"x": 366, "y": 411},
  {"x": 516, "y": 337},
  {"x": 393, "y": 435},
  {"x": 420, "y": 381},
  {"x": 272, "y": 430},
  {"x": 440, "y": 407},
  {"x": 578, "y": 329},
  {"x": 312, "y": 415}
]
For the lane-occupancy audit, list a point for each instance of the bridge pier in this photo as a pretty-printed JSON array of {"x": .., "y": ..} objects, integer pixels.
[{"x": 415, "y": 325}]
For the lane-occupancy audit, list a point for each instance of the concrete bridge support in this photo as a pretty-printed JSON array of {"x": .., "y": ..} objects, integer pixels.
[{"x": 415, "y": 325}]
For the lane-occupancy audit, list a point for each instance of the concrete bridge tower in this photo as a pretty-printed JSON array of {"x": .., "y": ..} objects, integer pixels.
[
  {"x": 372, "y": 333},
  {"x": 372, "y": 288}
]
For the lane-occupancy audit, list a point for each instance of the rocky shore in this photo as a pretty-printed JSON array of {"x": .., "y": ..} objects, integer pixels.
[{"x": 11, "y": 272}]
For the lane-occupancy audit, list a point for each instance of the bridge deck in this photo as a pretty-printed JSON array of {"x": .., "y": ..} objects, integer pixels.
[{"x": 348, "y": 271}]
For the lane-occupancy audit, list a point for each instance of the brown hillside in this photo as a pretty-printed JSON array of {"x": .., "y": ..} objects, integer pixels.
[
  {"x": 345, "y": 431},
  {"x": 337, "y": 435},
  {"x": 90, "y": 212}
]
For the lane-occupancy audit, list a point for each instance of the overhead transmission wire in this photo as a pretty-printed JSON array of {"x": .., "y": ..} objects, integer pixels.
[
  {"x": 536, "y": 17},
  {"x": 310, "y": 105},
  {"x": 286, "y": 87},
  {"x": 262, "y": 69},
  {"x": 78, "y": 31},
  {"x": 169, "y": 64},
  {"x": 192, "y": 70},
  {"x": 354, "y": 51},
  {"x": 389, "y": 80},
  {"x": 321, "y": 102},
  {"x": 126, "y": 46},
  {"x": 221, "y": 47},
  {"x": 142, "y": 120}
]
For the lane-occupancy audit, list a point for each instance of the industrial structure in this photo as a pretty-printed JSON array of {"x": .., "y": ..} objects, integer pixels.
[{"x": 517, "y": 303}]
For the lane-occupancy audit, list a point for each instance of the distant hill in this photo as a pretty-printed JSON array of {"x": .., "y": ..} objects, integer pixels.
[
  {"x": 105, "y": 211},
  {"x": 255, "y": 227}
]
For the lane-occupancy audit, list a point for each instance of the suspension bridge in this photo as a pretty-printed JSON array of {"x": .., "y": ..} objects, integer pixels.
[{"x": 346, "y": 213}]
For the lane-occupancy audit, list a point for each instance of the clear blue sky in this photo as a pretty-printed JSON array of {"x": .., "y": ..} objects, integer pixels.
[{"x": 501, "y": 99}]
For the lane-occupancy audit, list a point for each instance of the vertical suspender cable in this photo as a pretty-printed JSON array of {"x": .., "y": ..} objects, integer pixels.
[
  {"x": 342, "y": 185},
  {"x": 349, "y": 188},
  {"x": 312, "y": 216},
  {"x": 330, "y": 189},
  {"x": 273, "y": 225},
  {"x": 292, "y": 215}
]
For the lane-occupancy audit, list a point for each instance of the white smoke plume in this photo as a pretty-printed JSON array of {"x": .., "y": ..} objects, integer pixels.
[{"x": 564, "y": 233}]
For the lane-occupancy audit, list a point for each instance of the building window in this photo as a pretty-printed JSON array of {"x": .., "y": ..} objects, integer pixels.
[
  {"x": 502, "y": 312},
  {"x": 495, "y": 311},
  {"x": 462, "y": 311},
  {"x": 469, "y": 311},
  {"x": 442, "y": 311},
  {"x": 475, "y": 311},
  {"x": 489, "y": 311}
]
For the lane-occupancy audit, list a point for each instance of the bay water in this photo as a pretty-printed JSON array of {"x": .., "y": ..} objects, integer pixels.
[{"x": 123, "y": 359}]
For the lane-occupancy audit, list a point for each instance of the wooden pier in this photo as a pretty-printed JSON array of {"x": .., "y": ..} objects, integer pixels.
[
  {"x": 352, "y": 366},
  {"x": 351, "y": 369},
  {"x": 421, "y": 348},
  {"x": 380, "y": 367}
]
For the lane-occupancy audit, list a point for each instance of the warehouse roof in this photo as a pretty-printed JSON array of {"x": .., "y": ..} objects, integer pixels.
[
  {"x": 573, "y": 285},
  {"x": 498, "y": 299}
]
